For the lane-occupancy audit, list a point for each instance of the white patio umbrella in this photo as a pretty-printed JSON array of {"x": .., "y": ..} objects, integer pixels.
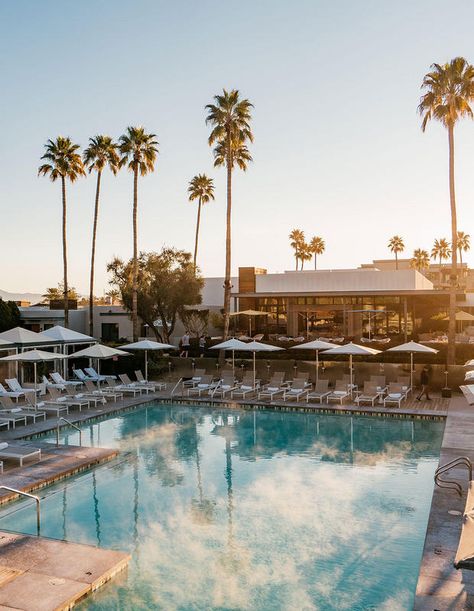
[
  {"x": 352, "y": 350},
  {"x": 68, "y": 337},
  {"x": 412, "y": 348},
  {"x": 316, "y": 345},
  {"x": 4, "y": 345},
  {"x": 259, "y": 347},
  {"x": 99, "y": 352},
  {"x": 35, "y": 357},
  {"x": 231, "y": 344},
  {"x": 146, "y": 345}
]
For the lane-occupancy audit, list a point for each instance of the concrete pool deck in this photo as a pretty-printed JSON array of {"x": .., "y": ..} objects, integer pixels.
[
  {"x": 38, "y": 574},
  {"x": 440, "y": 586}
]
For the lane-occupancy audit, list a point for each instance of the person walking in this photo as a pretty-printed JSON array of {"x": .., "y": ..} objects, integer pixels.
[
  {"x": 202, "y": 345},
  {"x": 185, "y": 343},
  {"x": 425, "y": 379}
]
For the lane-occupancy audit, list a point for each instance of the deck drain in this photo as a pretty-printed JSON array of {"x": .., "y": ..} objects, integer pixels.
[
  {"x": 57, "y": 581},
  {"x": 454, "y": 512}
]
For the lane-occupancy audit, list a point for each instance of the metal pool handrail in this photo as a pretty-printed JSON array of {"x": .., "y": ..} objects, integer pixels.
[
  {"x": 74, "y": 426},
  {"x": 180, "y": 381},
  {"x": 460, "y": 461},
  {"x": 31, "y": 496}
]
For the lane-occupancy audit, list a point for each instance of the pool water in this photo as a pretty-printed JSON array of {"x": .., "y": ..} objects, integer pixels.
[{"x": 252, "y": 510}]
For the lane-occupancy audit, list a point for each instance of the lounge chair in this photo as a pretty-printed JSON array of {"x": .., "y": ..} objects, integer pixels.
[
  {"x": 104, "y": 392},
  {"x": 321, "y": 391},
  {"x": 195, "y": 379},
  {"x": 123, "y": 388},
  {"x": 405, "y": 382},
  {"x": 9, "y": 393},
  {"x": 15, "y": 386},
  {"x": 48, "y": 406},
  {"x": 151, "y": 385},
  {"x": 20, "y": 453},
  {"x": 67, "y": 399},
  {"x": 226, "y": 385},
  {"x": 468, "y": 392},
  {"x": 339, "y": 393},
  {"x": 13, "y": 419},
  {"x": 245, "y": 387},
  {"x": 11, "y": 409},
  {"x": 48, "y": 384},
  {"x": 127, "y": 383},
  {"x": 369, "y": 395},
  {"x": 205, "y": 385},
  {"x": 58, "y": 379},
  {"x": 94, "y": 399},
  {"x": 81, "y": 376},
  {"x": 92, "y": 373},
  {"x": 297, "y": 391},
  {"x": 270, "y": 392},
  {"x": 395, "y": 395}
]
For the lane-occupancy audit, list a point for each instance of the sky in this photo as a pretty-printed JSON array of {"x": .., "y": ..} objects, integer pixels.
[{"x": 338, "y": 148}]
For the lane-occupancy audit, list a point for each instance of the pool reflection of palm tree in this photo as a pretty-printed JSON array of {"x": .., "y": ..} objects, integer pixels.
[{"x": 202, "y": 508}]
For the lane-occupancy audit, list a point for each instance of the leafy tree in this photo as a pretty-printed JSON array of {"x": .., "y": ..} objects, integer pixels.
[
  {"x": 396, "y": 246},
  {"x": 442, "y": 252},
  {"x": 196, "y": 321},
  {"x": 449, "y": 90},
  {"x": 56, "y": 293},
  {"x": 9, "y": 315},
  {"x": 138, "y": 152},
  {"x": 201, "y": 188},
  {"x": 317, "y": 247},
  {"x": 296, "y": 242},
  {"x": 100, "y": 154},
  {"x": 230, "y": 118},
  {"x": 464, "y": 244},
  {"x": 420, "y": 259},
  {"x": 62, "y": 162},
  {"x": 166, "y": 283}
]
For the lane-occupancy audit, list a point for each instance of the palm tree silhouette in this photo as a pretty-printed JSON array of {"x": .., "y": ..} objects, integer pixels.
[{"x": 201, "y": 188}]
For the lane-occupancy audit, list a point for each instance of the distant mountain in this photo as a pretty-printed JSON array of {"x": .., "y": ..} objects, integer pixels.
[{"x": 32, "y": 297}]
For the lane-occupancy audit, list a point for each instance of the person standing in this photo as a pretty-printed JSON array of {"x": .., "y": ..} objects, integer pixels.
[
  {"x": 185, "y": 343},
  {"x": 425, "y": 380},
  {"x": 202, "y": 345}
]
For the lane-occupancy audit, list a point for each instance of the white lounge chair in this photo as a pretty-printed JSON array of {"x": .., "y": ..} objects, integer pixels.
[
  {"x": 468, "y": 392},
  {"x": 94, "y": 399},
  {"x": 103, "y": 392},
  {"x": 123, "y": 388},
  {"x": 195, "y": 379},
  {"x": 48, "y": 406},
  {"x": 58, "y": 379},
  {"x": 15, "y": 386},
  {"x": 11, "y": 409},
  {"x": 321, "y": 391},
  {"x": 67, "y": 399},
  {"x": 270, "y": 392},
  {"x": 370, "y": 394},
  {"x": 127, "y": 383},
  {"x": 20, "y": 453},
  {"x": 298, "y": 390},
  {"x": 151, "y": 385},
  {"x": 92, "y": 373},
  {"x": 205, "y": 385},
  {"x": 81, "y": 376},
  {"x": 9, "y": 393},
  {"x": 339, "y": 393},
  {"x": 226, "y": 385}
]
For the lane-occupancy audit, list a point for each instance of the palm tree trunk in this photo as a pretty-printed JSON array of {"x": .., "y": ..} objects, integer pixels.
[
  {"x": 135, "y": 258},
  {"x": 66, "y": 301},
  {"x": 198, "y": 221},
  {"x": 396, "y": 260},
  {"x": 94, "y": 234},
  {"x": 314, "y": 261},
  {"x": 454, "y": 253},
  {"x": 228, "y": 251},
  {"x": 440, "y": 272},
  {"x": 296, "y": 262}
]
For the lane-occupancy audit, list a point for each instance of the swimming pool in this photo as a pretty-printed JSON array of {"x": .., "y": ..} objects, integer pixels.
[{"x": 234, "y": 509}]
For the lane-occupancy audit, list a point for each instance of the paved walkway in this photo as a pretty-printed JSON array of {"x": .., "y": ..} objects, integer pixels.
[
  {"x": 38, "y": 574},
  {"x": 440, "y": 586}
]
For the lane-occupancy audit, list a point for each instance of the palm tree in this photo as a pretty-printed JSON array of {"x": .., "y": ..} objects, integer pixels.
[
  {"x": 449, "y": 91},
  {"x": 101, "y": 152},
  {"x": 138, "y": 150},
  {"x": 317, "y": 247},
  {"x": 305, "y": 253},
  {"x": 441, "y": 251},
  {"x": 396, "y": 246},
  {"x": 62, "y": 162},
  {"x": 201, "y": 188},
  {"x": 464, "y": 244},
  {"x": 230, "y": 118},
  {"x": 296, "y": 242},
  {"x": 420, "y": 259}
]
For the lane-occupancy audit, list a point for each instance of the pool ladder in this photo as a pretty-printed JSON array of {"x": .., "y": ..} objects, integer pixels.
[
  {"x": 460, "y": 461},
  {"x": 30, "y": 496},
  {"x": 74, "y": 426}
]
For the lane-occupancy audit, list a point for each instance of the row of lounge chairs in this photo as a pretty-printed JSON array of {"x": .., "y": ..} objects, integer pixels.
[{"x": 376, "y": 389}]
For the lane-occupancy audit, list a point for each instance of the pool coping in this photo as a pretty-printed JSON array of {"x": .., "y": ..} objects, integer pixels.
[{"x": 440, "y": 586}]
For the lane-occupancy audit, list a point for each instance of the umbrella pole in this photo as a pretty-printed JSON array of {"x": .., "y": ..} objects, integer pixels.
[
  {"x": 317, "y": 366},
  {"x": 254, "y": 370},
  {"x": 34, "y": 370},
  {"x": 250, "y": 326},
  {"x": 146, "y": 365},
  {"x": 350, "y": 366},
  {"x": 98, "y": 372},
  {"x": 411, "y": 371},
  {"x": 233, "y": 364}
]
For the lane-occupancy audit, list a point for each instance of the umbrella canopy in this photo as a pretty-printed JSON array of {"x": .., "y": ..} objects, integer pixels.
[
  {"x": 464, "y": 316},
  {"x": 98, "y": 351},
  {"x": 24, "y": 337},
  {"x": 68, "y": 336},
  {"x": 412, "y": 348},
  {"x": 352, "y": 350},
  {"x": 231, "y": 344},
  {"x": 259, "y": 347},
  {"x": 249, "y": 313},
  {"x": 145, "y": 345},
  {"x": 4, "y": 345},
  {"x": 35, "y": 357},
  {"x": 316, "y": 345}
]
